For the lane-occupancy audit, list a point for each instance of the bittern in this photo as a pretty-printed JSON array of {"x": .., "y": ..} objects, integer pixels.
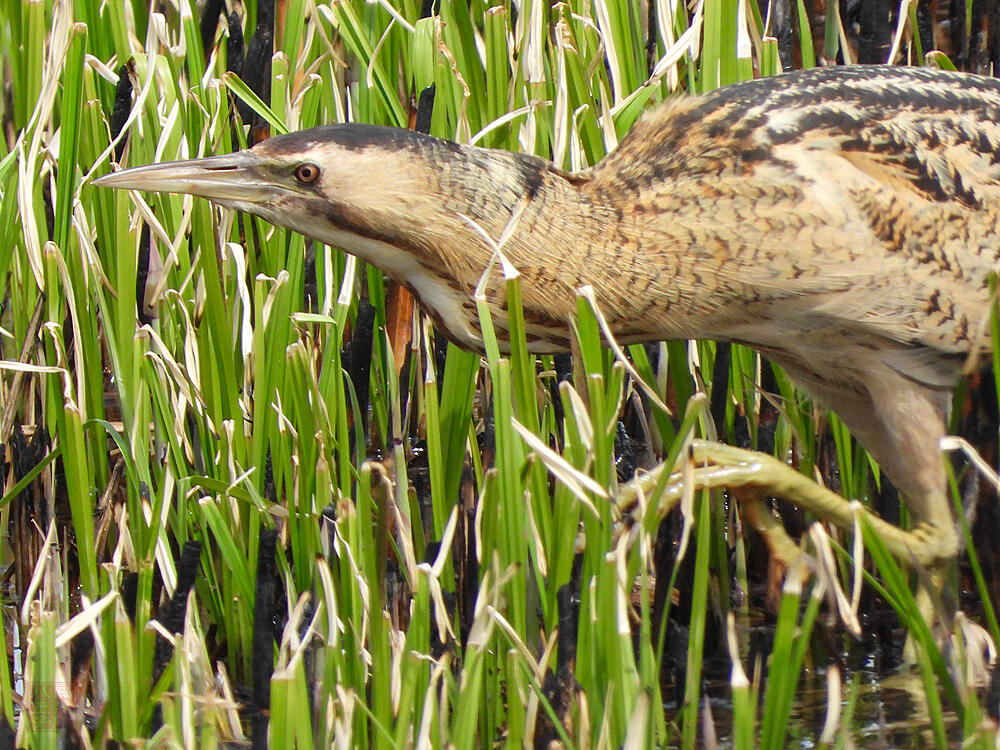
[{"x": 841, "y": 221}]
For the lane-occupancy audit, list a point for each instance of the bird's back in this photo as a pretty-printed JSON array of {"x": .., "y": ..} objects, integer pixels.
[
  {"x": 857, "y": 204},
  {"x": 935, "y": 123}
]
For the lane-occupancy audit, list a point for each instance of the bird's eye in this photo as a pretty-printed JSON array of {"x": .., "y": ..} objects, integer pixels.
[{"x": 307, "y": 173}]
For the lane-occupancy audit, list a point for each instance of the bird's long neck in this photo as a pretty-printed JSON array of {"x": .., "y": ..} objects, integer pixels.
[
  {"x": 436, "y": 221},
  {"x": 546, "y": 225},
  {"x": 565, "y": 230}
]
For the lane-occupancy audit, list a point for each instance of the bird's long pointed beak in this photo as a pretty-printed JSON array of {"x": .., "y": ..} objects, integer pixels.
[{"x": 227, "y": 178}]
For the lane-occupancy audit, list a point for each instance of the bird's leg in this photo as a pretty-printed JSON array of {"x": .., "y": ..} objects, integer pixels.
[
  {"x": 723, "y": 466},
  {"x": 750, "y": 476},
  {"x": 757, "y": 515},
  {"x": 901, "y": 423},
  {"x": 782, "y": 549}
]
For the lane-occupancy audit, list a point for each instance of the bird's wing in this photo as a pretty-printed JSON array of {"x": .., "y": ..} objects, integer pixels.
[{"x": 936, "y": 157}]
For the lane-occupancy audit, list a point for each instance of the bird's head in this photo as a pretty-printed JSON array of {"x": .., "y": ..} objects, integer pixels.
[{"x": 340, "y": 184}]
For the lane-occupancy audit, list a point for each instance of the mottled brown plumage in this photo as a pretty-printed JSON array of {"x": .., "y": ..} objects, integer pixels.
[{"x": 841, "y": 221}]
